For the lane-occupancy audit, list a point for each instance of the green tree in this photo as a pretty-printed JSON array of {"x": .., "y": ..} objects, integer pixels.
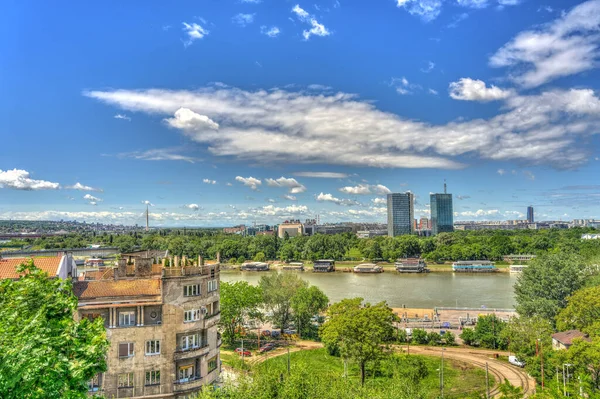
[
  {"x": 468, "y": 336},
  {"x": 278, "y": 289},
  {"x": 360, "y": 332},
  {"x": 240, "y": 302},
  {"x": 419, "y": 336},
  {"x": 522, "y": 334},
  {"x": 45, "y": 352},
  {"x": 543, "y": 287},
  {"x": 260, "y": 257},
  {"x": 488, "y": 332},
  {"x": 306, "y": 303},
  {"x": 582, "y": 311},
  {"x": 585, "y": 356}
]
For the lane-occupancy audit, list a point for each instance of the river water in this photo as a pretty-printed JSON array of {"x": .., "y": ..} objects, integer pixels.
[{"x": 492, "y": 290}]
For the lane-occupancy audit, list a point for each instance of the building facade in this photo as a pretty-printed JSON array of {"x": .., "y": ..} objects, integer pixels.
[
  {"x": 162, "y": 326},
  {"x": 442, "y": 214},
  {"x": 530, "y": 218},
  {"x": 293, "y": 228},
  {"x": 400, "y": 214}
]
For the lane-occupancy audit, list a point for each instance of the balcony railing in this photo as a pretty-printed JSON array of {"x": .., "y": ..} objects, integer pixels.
[
  {"x": 187, "y": 384},
  {"x": 190, "y": 351},
  {"x": 189, "y": 271}
]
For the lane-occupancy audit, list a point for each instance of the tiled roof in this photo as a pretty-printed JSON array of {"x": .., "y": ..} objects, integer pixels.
[
  {"x": 118, "y": 288},
  {"x": 8, "y": 267},
  {"x": 567, "y": 337},
  {"x": 101, "y": 274}
]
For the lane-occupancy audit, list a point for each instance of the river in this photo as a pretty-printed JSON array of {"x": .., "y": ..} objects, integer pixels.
[{"x": 492, "y": 290}]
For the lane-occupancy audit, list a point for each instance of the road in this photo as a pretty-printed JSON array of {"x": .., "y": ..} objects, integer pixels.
[{"x": 499, "y": 369}]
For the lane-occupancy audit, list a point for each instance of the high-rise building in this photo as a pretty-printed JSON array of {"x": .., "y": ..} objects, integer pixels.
[
  {"x": 442, "y": 215},
  {"x": 530, "y": 214},
  {"x": 400, "y": 210},
  {"x": 424, "y": 223}
]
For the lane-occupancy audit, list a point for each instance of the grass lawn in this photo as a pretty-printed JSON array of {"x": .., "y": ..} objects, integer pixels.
[{"x": 460, "y": 379}]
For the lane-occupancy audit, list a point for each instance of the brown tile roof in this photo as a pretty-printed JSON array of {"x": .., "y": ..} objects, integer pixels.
[
  {"x": 102, "y": 274},
  {"x": 8, "y": 267},
  {"x": 567, "y": 337},
  {"x": 118, "y": 288}
]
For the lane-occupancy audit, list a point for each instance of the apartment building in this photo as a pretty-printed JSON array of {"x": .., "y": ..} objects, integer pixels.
[{"x": 161, "y": 323}]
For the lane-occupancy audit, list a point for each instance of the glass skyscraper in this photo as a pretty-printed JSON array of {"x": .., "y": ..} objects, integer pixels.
[
  {"x": 400, "y": 214},
  {"x": 442, "y": 215},
  {"x": 530, "y": 214}
]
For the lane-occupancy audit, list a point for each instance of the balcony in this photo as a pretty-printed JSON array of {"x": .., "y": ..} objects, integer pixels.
[
  {"x": 188, "y": 384},
  {"x": 186, "y": 353},
  {"x": 212, "y": 320},
  {"x": 189, "y": 271}
]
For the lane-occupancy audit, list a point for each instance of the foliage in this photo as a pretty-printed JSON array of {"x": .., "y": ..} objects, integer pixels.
[
  {"x": 488, "y": 332},
  {"x": 359, "y": 331},
  {"x": 45, "y": 352},
  {"x": 240, "y": 302},
  {"x": 306, "y": 303},
  {"x": 260, "y": 257},
  {"x": 543, "y": 287},
  {"x": 419, "y": 336},
  {"x": 522, "y": 334},
  {"x": 582, "y": 311},
  {"x": 468, "y": 336},
  {"x": 278, "y": 289},
  {"x": 585, "y": 356}
]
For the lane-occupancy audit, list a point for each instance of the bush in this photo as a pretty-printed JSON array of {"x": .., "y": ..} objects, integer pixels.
[
  {"x": 260, "y": 257},
  {"x": 402, "y": 336},
  {"x": 449, "y": 338},
  {"x": 241, "y": 260},
  {"x": 468, "y": 336},
  {"x": 434, "y": 338},
  {"x": 419, "y": 336}
]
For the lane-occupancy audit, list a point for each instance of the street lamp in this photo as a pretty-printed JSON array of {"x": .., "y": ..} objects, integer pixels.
[{"x": 566, "y": 378}]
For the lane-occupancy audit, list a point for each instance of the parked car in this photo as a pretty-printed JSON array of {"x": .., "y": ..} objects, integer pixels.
[
  {"x": 514, "y": 361},
  {"x": 244, "y": 352},
  {"x": 408, "y": 331},
  {"x": 275, "y": 334},
  {"x": 266, "y": 333},
  {"x": 266, "y": 347},
  {"x": 289, "y": 332}
]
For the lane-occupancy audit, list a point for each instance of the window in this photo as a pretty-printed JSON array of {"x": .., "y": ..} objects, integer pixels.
[
  {"x": 212, "y": 364},
  {"x": 153, "y": 377},
  {"x": 126, "y": 380},
  {"x": 186, "y": 373},
  {"x": 152, "y": 347},
  {"x": 191, "y": 315},
  {"x": 212, "y": 285},
  {"x": 191, "y": 290},
  {"x": 126, "y": 318},
  {"x": 190, "y": 342},
  {"x": 126, "y": 349},
  {"x": 94, "y": 383}
]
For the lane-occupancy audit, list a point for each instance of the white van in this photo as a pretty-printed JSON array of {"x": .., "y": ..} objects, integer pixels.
[{"x": 515, "y": 361}]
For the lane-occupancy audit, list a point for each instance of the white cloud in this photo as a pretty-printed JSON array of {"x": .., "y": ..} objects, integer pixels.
[
  {"x": 434, "y": 92},
  {"x": 94, "y": 203},
  {"x": 501, "y": 172},
  {"x": 122, "y": 116},
  {"x": 243, "y": 19},
  {"x": 323, "y": 175},
  {"x": 429, "y": 68},
  {"x": 427, "y": 10},
  {"x": 19, "y": 179},
  {"x": 290, "y": 183},
  {"x": 228, "y": 184},
  {"x": 366, "y": 189},
  {"x": 379, "y": 201},
  {"x": 158, "y": 154},
  {"x": 403, "y": 86},
  {"x": 89, "y": 197},
  {"x": 479, "y": 213},
  {"x": 273, "y": 31},
  {"x": 529, "y": 174},
  {"x": 330, "y": 198},
  {"x": 567, "y": 46},
  {"x": 289, "y": 197},
  {"x": 193, "y": 207},
  {"x": 251, "y": 182},
  {"x": 271, "y": 210},
  {"x": 193, "y": 32},
  {"x": 81, "y": 187},
  {"x": 317, "y": 28},
  {"x": 208, "y": 181},
  {"x": 270, "y": 127},
  {"x": 146, "y": 202},
  {"x": 252, "y": 1},
  {"x": 472, "y": 3},
  {"x": 468, "y": 89},
  {"x": 457, "y": 19}
]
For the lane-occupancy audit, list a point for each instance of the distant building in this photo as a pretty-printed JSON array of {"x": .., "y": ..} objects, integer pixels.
[
  {"x": 370, "y": 233},
  {"x": 442, "y": 215},
  {"x": 474, "y": 266},
  {"x": 530, "y": 214},
  {"x": 564, "y": 340},
  {"x": 332, "y": 229},
  {"x": 590, "y": 236},
  {"x": 400, "y": 213},
  {"x": 424, "y": 224},
  {"x": 292, "y": 227},
  {"x": 235, "y": 229},
  {"x": 520, "y": 257}
]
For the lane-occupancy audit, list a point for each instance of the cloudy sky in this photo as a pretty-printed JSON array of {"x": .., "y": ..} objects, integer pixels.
[{"x": 233, "y": 111}]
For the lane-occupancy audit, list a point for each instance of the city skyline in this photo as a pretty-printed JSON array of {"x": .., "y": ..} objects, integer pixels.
[{"x": 216, "y": 114}]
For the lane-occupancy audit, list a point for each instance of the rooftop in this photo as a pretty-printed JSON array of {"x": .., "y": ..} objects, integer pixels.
[
  {"x": 8, "y": 267},
  {"x": 567, "y": 337},
  {"x": 118, "y": 288}
]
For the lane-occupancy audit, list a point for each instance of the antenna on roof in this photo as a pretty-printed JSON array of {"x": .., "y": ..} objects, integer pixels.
[
  {"x": 147, "y": 218},
  {"x": 444, "y": 186}
]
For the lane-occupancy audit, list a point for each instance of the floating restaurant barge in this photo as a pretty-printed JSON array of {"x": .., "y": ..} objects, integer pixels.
[
  {"x": 411, "y": 265},
  {"x": 298, "y": 266},
  {"x": 474, "y": 266},
  {"x": 324, "y": 266},
  {"x": 255, "y": 267},
  {"x": 368, "y": 268}
]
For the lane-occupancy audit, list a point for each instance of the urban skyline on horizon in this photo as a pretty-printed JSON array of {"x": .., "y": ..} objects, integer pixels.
[{"x": 223, "y": 113}]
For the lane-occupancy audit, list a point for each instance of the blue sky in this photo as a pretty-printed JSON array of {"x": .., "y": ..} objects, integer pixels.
[{"x": 224, "y": 112}]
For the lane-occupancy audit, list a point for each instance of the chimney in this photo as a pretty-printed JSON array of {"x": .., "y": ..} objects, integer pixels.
[
  {"x": 176, "y": 260},
  {"x": 218, "y": 256},
  {"x": 184, "y": 261},
  {"x": 164, "y": 262},
  {"x": 200, "y": 260},
  {"x": 143, "y": 267},
  {"x": 121, "y": 269}
]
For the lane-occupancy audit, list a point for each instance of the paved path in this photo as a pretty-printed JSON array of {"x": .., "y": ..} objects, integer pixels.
[{"x": 500, "y": 370}]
